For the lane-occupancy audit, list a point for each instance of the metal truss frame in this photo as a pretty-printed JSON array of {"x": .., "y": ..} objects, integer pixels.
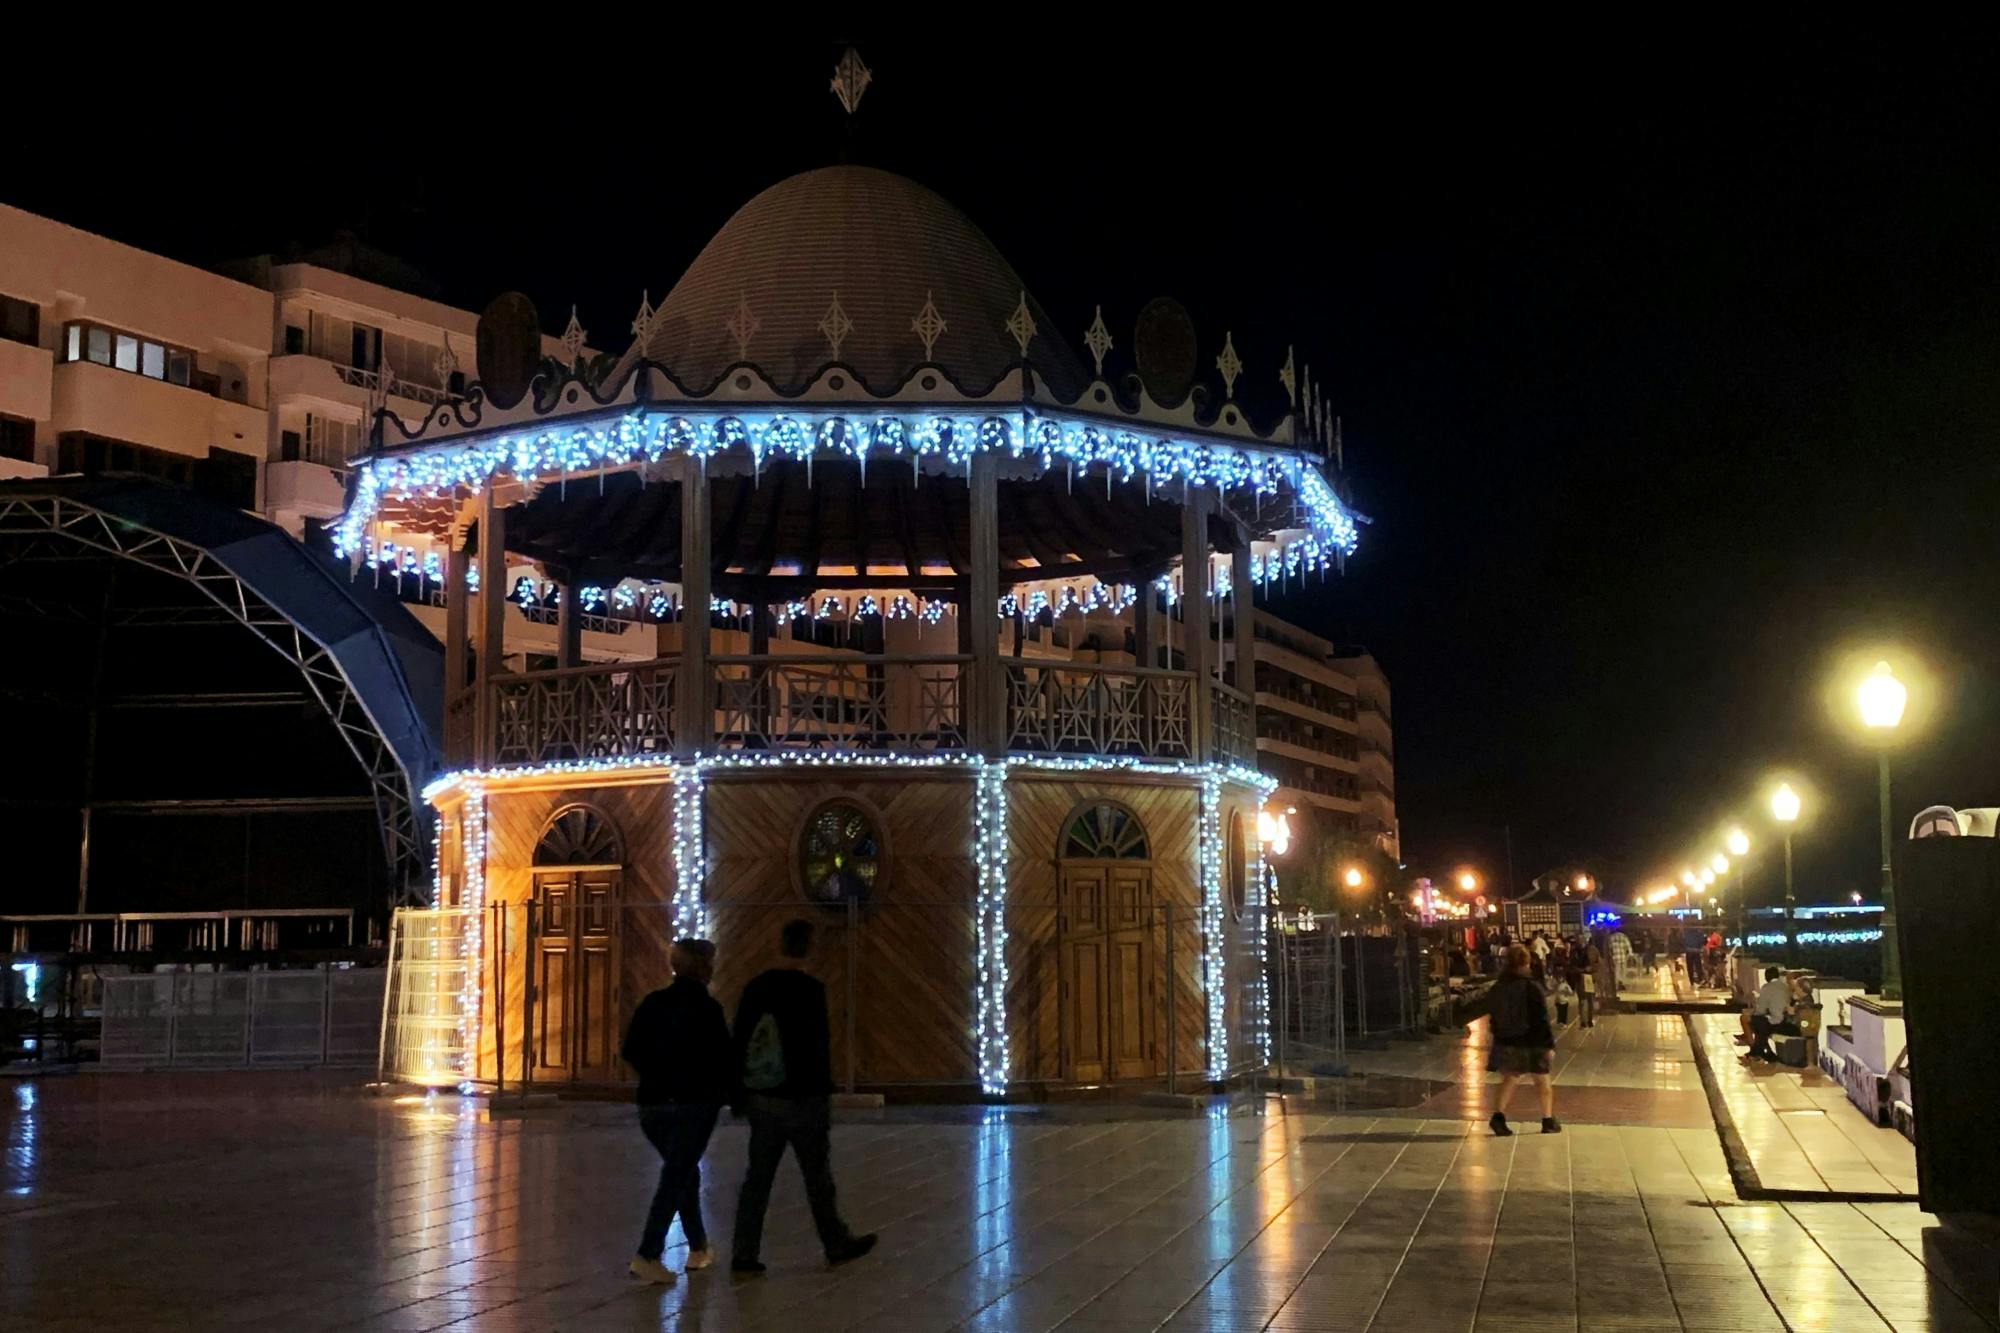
[{"x": 46, "y": 524}]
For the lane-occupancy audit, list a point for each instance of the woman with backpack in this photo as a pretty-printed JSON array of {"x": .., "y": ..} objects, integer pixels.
[{"x": 1523, "y": 1039}]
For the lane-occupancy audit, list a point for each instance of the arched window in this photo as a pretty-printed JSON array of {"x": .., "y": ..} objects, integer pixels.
[
  {"x": 579, "y": 835},
  {"x": 840, "y": 855},
  {"x": 1106, "y": 832}
]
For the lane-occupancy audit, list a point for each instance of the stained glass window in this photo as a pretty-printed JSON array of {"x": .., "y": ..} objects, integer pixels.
[
  {"x": 840, "y": 855},
  {"x": 1106, "y": 832}
]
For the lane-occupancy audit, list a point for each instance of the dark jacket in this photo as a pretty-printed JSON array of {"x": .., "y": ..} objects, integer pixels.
[
  {"x": 1533, "y": 1000},
  {"x": 679, "y": 1043},
  {"x": 798, "y": 1002}
]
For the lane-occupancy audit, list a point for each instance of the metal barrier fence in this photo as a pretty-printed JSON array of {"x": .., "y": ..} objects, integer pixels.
[
  {"x": 423, "y": 1016},
  {"x": 216, "y": 1020},
  {"x": 1335, "y": 986}
]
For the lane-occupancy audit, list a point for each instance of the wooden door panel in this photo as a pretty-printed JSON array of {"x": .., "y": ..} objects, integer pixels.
[
  {"x": 1130, "y": 1013},
  {"x": 595, "y": 1018},
  {"x": 576, "y": 973},
  {"x": 1087, "y": 1015},
  {"x": 552, "y": 982}
]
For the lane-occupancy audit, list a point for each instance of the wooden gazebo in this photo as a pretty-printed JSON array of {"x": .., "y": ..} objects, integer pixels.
[{"x": 943, "y": 650}]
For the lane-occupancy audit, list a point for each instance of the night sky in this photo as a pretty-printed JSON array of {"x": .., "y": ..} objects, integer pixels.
[{"x": 1663, "y": 376}]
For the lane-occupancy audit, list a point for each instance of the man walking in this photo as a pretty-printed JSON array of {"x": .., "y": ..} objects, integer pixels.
[
  {"x": 679, "y": 1043},
  {"x": 787, "y": 1080}
]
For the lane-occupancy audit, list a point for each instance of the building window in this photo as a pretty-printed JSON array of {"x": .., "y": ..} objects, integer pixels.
[
  {"x": 840, "y": 855},
  {"x": 295, "y": 340},
  {"x": 129, "y": 352},
  {"x": 1106, "y": 832},
  {"x": 17, "y": 438},
  {"x": 20, "y": 321}
]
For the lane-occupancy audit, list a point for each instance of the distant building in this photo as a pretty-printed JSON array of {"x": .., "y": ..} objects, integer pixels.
[
  {"x": 1323, "y": 731},
  {"x": 249, "y": 386}
]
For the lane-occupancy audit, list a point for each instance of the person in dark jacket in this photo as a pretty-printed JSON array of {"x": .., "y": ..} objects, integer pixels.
[
  {"x": 786, "y": 1073},
  {"x": 679, "y": 1044},
  {"x": 1523, "y": 1040}
]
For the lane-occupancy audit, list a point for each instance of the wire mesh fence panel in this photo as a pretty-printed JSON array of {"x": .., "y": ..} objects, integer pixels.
[
  {"x": 138, "y": 1020},
  {"x": 287, "y": 1017},
  {"x": 353, "y": 1014},
  {"x": 424, "y": 1015},
  {"x": 211, "y": 1018}
]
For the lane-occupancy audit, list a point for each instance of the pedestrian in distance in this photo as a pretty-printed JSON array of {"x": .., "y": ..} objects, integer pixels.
[
  {"x": 1524, "y": 1041},
  {"x": 679, "y": 1043},
  {"x": 786, "y": 1076}
]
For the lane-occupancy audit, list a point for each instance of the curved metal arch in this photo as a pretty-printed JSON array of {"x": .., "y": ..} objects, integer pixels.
[{"x": 57, "y": 519}]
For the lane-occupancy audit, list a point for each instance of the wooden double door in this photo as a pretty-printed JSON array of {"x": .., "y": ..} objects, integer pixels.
[
  {"x": 1109, "y": 984},
  {"x": 573, "y": 996}
]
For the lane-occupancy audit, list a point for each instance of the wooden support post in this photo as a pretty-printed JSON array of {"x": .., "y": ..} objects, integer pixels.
[
  {"x": 1145, "y": 626},
  {"x": 694, "y": 690},
  {"x": 986, "y": 712},
  {"x": 1243, "y": 619},
  {"x": 569, "y": 624},
  {"x": 457, "y": 625},
  {"x": 492, "y": 619},
  {"x": 1195, "y": 611}
]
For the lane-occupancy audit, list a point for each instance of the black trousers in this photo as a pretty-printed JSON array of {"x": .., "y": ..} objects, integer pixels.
[
  {"x": 679, "y": 1133},
  {"x": 1761, "y": 1029},
  {"x": 803, "y": 1124}
]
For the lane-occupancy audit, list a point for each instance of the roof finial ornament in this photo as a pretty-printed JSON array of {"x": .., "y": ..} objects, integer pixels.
[
  {"x": 642, "y": 323},
  {"x": 1022, "y": 325},
  {"x": 835, "y": 325},
  {"x": 1230, "y": 364},
  {"x": 1098, "y": 339},
  {"x": 572, "y": 338},
  {"x": 850, "y": 80},
  {"x": 928, "y": 325},
  {"x": 742, "y": 326},
  {"x": 1289, "y": 379},
  {"x": 1339, "y": 453},
  {"x": 1308, "y": 395}
]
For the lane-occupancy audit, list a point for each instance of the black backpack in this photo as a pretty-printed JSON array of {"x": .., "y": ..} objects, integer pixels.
[{"x": 1510, "y": 1009}]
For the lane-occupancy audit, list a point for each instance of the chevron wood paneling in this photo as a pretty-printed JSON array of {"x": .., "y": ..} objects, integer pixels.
[
  {"x": 913, "y": 952},
  {"x": 1039, "y": 808}
]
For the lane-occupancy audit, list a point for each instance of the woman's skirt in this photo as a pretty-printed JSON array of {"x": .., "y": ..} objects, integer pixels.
[{"x": 1518, "y": 1060}]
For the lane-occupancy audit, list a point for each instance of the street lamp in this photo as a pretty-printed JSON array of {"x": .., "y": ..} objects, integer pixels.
[
  {"x": 1785, "y": 809},
  {"x": 1881, "y": 700},
  {"x": 1467, "y": 880},
  {"x": 1738, "y": 843}
]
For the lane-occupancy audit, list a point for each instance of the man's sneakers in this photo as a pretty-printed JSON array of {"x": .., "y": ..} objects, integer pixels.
[
  {"x": 1499, "y": 1123},
  {"x": 651, "y": 1271},
  {"x": 1551, "y": 1125},
  {"x": 699, "y": 1259},
  {"x": 853, "y": 1248}
]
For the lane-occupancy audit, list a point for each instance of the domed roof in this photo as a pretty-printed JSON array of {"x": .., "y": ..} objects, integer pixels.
[{"x": 885, "y": 245}]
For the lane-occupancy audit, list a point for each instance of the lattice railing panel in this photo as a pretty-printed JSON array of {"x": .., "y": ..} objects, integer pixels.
[{"x": 1082, "y": 708}]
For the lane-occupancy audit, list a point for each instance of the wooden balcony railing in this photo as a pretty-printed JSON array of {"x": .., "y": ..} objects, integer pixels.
[
  {"x": 1083, "y": 708},
  {"x": 587, "y": 712},
  {"x": 850, "y": 702},
  {"x": 843, "y": 702}
]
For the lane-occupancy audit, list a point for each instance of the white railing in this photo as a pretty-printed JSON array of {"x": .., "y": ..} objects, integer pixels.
[
  {"x": 371, "y": 380},
  {"x": 165, "y": 1020}
]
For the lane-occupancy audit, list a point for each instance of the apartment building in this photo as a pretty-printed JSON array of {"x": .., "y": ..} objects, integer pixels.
[
  {"x": 249, "y": 383},
  {"x": 1324, "y": 732}
]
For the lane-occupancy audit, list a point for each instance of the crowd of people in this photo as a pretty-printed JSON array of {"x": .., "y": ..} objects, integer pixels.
[{"x": 772, "y": 1068}]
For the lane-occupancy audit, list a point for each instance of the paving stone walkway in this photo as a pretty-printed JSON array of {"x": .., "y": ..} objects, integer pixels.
[
  {"x": 1797, "y": 1126},
  {"x": 276, "y": 1201}
]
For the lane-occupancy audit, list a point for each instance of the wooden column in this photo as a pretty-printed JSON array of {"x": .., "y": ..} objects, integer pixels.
[
  {"x": 985, "y": 699},
  {"x": 1243, "y": 617},
  {"x": 569, "y": 624},
  {"x": 1145, "y": 624},
  {"x": 457, "y": 625},
  {"x": 492, "y": 617},
  {"x": 695, "y": 714},
  {"x": 1194, "y": 610}
]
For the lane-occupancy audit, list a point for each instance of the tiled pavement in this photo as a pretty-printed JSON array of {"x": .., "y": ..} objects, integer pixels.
[
  {"x": 280, "y": 1201},
  {"x": 1799, "y": 1129}
]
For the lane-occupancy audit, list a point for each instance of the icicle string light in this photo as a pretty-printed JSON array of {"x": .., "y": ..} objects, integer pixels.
[{"x": 1046, "y": 440}]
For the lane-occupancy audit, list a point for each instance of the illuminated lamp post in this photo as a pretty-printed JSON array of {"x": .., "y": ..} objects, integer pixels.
[
  {"x": 1881, "y": 700},
  {"x": 1738, "y": 843},
  {"x": 1785, "y": 806},
  {"x": 1720, "y": 865}
]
